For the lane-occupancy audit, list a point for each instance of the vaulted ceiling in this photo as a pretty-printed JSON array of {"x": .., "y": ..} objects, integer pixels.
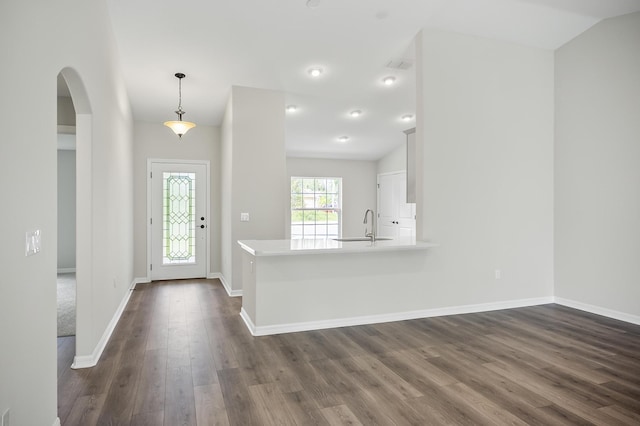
[{"x": 272, "y": 44}]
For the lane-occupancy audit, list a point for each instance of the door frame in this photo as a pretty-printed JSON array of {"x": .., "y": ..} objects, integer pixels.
[{"x": 206, "y": 163}]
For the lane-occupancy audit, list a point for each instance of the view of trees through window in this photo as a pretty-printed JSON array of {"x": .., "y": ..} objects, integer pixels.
[{"x": 316, "y": 207}]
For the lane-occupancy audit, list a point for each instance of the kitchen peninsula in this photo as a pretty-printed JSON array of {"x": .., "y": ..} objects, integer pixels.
[{"x": 299, "y": 285}]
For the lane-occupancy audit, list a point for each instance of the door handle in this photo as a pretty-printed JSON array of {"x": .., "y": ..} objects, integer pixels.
[{"x": 202, "y": 226}]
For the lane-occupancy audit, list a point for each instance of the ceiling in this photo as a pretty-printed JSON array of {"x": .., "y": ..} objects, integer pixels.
[{"x": 271, "y": 44}]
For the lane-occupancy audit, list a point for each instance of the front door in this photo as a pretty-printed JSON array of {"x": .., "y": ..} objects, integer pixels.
[{"x": 178, "y": 222}]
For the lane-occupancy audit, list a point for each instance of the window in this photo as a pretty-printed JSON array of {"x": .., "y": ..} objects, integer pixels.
[
  {"x": 316, "y": 207},
  {"x": 179, "y": 218}
]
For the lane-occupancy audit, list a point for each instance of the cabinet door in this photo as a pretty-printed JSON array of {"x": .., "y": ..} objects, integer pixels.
[{"x": 411, "y": 165}]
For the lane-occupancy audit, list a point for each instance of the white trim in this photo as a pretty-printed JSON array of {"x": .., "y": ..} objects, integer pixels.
[
  {"x": 250, "y": 325},
  {"x": 66, "y": 129},
  {"x": 390, "y": 173},
  {"x": 140, "y": 280},
  {"x": 66, "y": 270},
  {"x": 391, "y": 317},
  {"x": 227, "y": 287},
  {"x": 56, "y": 421},
  {"x": 609, "y": 313},
  {"x": 87, "y": 361}
]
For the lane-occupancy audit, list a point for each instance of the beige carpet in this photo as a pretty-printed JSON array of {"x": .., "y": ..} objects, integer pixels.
[{"x": 66, "y": 304}]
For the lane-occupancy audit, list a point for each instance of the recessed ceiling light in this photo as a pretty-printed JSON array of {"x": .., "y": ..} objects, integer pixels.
[
  {"x": 407, "y": 117},
  {"x": 389, "y": 80},
  {"x": 315, "y": 72},
  {"x": 291, "y": 108},
  {"x": 343, "y": 138},
  {"x": 355, "y": 113},
  {"x": 313, "y": 3}
]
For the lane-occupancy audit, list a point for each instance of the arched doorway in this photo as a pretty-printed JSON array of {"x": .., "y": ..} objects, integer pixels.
[
  {"x": 66, "y": 254},
  {"x": 83, "y": 207}
]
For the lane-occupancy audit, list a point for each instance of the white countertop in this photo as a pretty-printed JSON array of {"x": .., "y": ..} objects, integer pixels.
[{"x": 329, "y": 246}]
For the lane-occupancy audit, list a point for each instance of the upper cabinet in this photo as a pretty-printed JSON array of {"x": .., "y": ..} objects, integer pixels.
[{"x": 411, "y": 165}]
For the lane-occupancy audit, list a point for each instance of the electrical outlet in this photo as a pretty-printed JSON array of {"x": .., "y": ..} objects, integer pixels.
[
  {"x": 6, "y": 418},
  {"x": 244, "y": 217}
]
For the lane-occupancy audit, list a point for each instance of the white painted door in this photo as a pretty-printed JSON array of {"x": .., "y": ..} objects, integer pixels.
[
  {"x": 386, "y": 207},
  {"x": 406, "y": 214},
  {"x": 396, "y": 217},
  {"x": 179, "y": 234}
]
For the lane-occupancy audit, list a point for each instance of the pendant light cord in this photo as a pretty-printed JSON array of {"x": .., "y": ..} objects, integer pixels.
[
  {"x": 179, "y": 111},
  {"x": 180, "y": 94}
]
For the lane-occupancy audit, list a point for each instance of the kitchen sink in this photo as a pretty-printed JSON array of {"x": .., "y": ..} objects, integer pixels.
[{"x": 362, "y": 239}]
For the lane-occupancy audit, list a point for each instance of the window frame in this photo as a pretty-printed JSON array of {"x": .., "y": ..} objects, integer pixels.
[{"x": 324, "y": 209}]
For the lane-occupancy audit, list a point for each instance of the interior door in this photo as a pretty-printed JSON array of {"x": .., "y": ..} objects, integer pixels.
[
  {"x": 396, "y": 217},
  {"x": 178, "y": 193},
  {"x": 386, "y": 207},
  {"x": 405, "y": 220}
]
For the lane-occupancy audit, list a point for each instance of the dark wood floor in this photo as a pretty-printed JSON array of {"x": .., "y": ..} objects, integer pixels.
[{"x": 181, "y": 355}]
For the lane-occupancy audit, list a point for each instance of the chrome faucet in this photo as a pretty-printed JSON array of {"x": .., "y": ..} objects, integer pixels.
[{"x": 371, "y": 234}]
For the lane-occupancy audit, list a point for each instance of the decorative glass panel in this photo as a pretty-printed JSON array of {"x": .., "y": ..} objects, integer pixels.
[{"x": 179, "y": 218}]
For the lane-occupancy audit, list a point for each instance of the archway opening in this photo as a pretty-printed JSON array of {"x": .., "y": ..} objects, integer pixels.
[
  {"x": 74, "y": 204},
  {"x": 66, "y": 258}
]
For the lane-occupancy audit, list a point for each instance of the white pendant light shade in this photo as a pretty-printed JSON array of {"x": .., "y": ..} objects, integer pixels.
[{"x": 180, "y": 127}]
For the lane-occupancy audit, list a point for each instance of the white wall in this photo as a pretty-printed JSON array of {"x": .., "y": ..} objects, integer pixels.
[
  {"x": 486, "y": 155},
  {"x": 40, "y": 38},
  {"x": 226, "y": 155},
  {"x": 597, "y": 168},
  {"x": 358, "y": 188},
  {"x": 396, "y": 160},
  {"x": 253, "y": 180},
  {"x": 154, "y": 140},
  {"x": 66, "y": 112},
  {"x": 66, "y": 209}
]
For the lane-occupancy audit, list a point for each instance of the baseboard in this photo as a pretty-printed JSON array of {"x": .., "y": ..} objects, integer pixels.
[
  {"x": 227, "y": 287},
  {"x": 250, "y": 325},
  {"x": 86, "y": 361},
  {"x": 57, "y": 422},
  {"x": 66, "y": 270},
  {"x": 391, "y": 317},
  {"x": 609, "y": 313},
  {"x": 140, "y": 280}
]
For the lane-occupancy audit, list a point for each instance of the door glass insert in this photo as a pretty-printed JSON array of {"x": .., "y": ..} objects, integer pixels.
[{"x": 179, "y": 218}]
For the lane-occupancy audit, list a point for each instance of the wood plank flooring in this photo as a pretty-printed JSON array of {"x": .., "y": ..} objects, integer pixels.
[{"x": 181, "y": 355}]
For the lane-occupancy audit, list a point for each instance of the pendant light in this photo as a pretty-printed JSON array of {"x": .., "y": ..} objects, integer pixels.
[{"x": 180, "y": 127}]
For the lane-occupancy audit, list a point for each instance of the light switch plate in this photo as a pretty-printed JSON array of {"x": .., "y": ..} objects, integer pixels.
[
  {"x": 244, "y": 217},
  {"x": 32, "y": 242}
]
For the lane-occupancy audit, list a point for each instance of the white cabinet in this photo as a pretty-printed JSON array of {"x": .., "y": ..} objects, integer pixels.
[
  {"x": 396, "y": 217},
  {"x": 411, "y": 165}
]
